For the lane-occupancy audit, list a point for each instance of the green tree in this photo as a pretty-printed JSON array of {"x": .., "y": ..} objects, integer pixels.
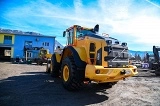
[
  {"x": 138, "y": 57},
  {"x": 144, "y": 59}
]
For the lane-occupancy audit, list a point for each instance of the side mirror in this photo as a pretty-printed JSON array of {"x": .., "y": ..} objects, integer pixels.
[
  {"x": 96, "y": 28},
  {"x": 64, "y": 33}
]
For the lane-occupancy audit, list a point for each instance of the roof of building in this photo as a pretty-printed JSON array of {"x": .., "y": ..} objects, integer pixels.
[{"x": 18, "y": 32}]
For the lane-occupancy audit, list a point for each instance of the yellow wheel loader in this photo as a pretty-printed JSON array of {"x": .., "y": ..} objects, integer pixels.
[
  {"x": 89, "y": 56},
  {"x": 42, "y": 57}
]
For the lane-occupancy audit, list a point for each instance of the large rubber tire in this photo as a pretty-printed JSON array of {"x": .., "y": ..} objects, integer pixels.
[
  {"x": 55, "y": 67},
  {"x": 71, "y": 76},
  {"x": 48, "y": 68}
]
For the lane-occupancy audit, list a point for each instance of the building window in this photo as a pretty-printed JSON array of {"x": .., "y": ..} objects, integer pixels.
[
  {"x": 29, "y": 54},
  {"x": 28, "y": 44},
  {"x": 45, "y": 43},
  {"x": 7, "y": 39}
]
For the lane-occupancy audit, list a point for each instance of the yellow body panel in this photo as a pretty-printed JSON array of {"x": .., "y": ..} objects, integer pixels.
[
  {"x": 58, "y": 57},
  {"x": 82, "y": 53},
  {"x": 104, "y": 63},
  {"x": 108, "y": 74},
  {"x": 85, "y": 43},
  {"x": 48, "y": 56}
]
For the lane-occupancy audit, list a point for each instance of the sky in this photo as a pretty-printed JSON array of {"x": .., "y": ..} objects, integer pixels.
[{"x": 136, "y": 22}]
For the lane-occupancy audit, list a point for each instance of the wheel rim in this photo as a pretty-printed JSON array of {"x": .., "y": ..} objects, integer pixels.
[{"x": 65, "y": 73}]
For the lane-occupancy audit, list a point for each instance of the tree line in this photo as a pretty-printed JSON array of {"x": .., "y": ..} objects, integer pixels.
[{"x": 137, "y": 57}]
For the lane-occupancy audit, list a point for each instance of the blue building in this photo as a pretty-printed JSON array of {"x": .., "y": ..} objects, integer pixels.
[{"x": 14, "y": 43}]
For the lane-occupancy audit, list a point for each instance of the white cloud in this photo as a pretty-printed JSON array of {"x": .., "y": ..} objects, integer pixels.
[{"x": 141, "y": 23}]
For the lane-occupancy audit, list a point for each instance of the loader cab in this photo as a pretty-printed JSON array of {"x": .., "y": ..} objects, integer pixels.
[
  {"x": 76, "y": 32},
  {"x": 70, "y": 34}
]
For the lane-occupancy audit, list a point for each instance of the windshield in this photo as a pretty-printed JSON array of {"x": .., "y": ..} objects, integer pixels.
[
  {"x": 81, "y": 33},
  {"x": 86, "y": 32}
]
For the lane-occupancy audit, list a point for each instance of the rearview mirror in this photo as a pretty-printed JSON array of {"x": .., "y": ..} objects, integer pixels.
[{"x": 64, "y": 33}]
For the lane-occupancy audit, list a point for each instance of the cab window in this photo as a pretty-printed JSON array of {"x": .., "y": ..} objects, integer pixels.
[
  {"x": 79, "y": 34},
  {"x": 70, "y": 36}
]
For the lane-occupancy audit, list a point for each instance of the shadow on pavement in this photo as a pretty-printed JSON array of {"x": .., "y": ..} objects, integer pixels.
[{"x": 38, "y": 88}]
